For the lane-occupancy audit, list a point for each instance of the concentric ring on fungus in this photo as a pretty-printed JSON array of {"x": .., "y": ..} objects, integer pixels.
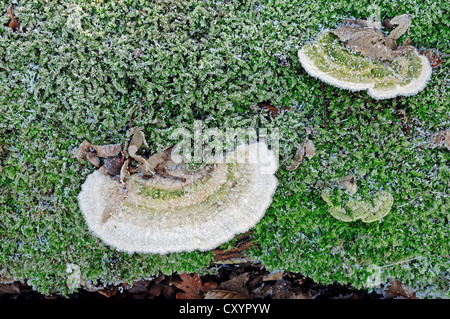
[{"x": 161, "y": 215}]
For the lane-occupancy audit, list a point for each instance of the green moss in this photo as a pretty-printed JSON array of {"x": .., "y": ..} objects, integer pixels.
[{"x": 213, "y": 60}]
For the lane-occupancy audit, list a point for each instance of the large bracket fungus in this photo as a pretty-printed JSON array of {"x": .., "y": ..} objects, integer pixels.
[
  {"x": 358, "y": 56},
  {"x": 176, "y": 209}
]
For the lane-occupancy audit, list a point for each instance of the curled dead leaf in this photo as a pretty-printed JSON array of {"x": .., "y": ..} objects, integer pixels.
[
  {"x": 366, "y": 38},
  {"x": 432, "y": 56},
  {"x": 441, "y": 139},
  {"x": 14, "y": 24},
  {"x": 273, "y": 110},
  {"x": 349, "y": 183},
  {"x": 88, "y": 152},
  {"x": 307, "y": 149}
]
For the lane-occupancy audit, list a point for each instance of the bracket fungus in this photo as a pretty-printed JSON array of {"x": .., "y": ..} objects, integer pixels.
[
  {"x": 354, "y": 209},
  {"x": 175, "y": 209},
  {"x": 358, "y": 56}
]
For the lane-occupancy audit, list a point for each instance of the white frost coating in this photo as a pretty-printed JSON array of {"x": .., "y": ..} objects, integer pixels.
[
  {"x": 411, "y": 88},
  {"x": 161, "y": 215}
]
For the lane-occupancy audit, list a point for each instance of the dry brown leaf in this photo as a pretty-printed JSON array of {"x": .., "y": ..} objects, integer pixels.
[
  {"x": 306, "y": 148},
  {"x": 93, "y": 159},
  {"x": 274, "y": 275},
  {"x": 396, "y": 290},
  {"x": 283, "y": 289},
  {"x": 103, "y": 170},
  {"x": 108, "y": 292},
  {"x": 349, "y": 183},
  {"x": 366, "y": 38},
  {"x": 224, "y": 294},
  {"x": 9, "y": 289},
  {"x": 88, "y": 152},
  {"x": 160, "y": 169},
  {"x": 237, "y": 284},
  {"x": 403, "y": 22},
  {"x": 273, "y": 110},
  {"x": 143, "y": 165},
  {"x": 432, "y": 56},
  {"x": 138, "y": 137},
  {"x": 107, "y": 150},
  {"x": 113, "y": 165},
  {"x": 192, "y": 287},
  {"x": 441, "y": 139},
  {"x": 14, "y": 24}
]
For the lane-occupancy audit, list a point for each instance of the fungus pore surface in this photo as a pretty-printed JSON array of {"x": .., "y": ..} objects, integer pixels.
[{"x": 163, "y": 215}]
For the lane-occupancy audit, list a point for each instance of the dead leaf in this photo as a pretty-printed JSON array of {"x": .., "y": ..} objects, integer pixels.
[
  {"x": 366, "y": 38},
  {"x": 432, "y": 56},
  {"x": 14, "y": 24},
  {"x": 160, "y": 169},
  {"x": 137, "y": 53},
  {"x": 274, "y": 275},
  {"x": 107, "y": 150},
  {"x": 192, "y": 287},
  {"x": 88, "y": 152},
  {"x": 235, "y": 254},
  {"x": 396, "y": 290},
  {"x": 306, "y": 148},
  {"x": 441, "y": 139},
  {"x": 113, "y": 165},
  {"x": 223, "y": 294},
  {"x": 283, "y": 289},
  {"x": 349, "y": 183},
  {"x": 138, "y": 137},
  {"x": 403, "y": 22},
  {"x": 237, "y": 284},
  {"x": 124, "y": 172},
  {"x": 108, "y": 292},
  {"x": 9, "y": 289},
  {"x": 273, "y": 110},
  {"x": 143, "y": 165}
]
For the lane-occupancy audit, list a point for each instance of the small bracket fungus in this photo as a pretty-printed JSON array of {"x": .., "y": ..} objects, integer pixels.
[
  {"x": 359, "y": 209},
  {"x": 175, "y": 209},
  {"x": 357, "y": 56}
]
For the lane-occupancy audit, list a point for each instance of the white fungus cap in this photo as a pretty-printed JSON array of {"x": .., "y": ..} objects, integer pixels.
[
  {"x": 161, "y": 215},
  {"x": 412, "y": 88}
]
